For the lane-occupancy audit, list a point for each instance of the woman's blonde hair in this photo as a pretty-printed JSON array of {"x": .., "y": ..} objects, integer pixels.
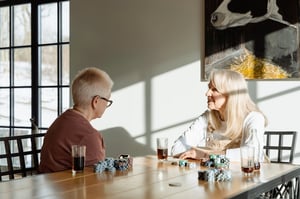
[
  {"x": 239, "y": 104},
  {"x": 88, "y": 83}
]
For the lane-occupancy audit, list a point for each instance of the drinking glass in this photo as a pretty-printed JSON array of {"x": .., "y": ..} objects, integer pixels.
[
  {"x": 162, "y": 148},
  {"x": 78, "y": 158},
  {"x": 247, "y": 160}
]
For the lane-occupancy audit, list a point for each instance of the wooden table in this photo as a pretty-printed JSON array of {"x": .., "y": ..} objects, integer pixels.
[{"x": 148, "y": 178}]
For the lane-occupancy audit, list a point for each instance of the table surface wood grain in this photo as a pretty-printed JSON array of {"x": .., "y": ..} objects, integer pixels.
[{"x": 148, "y": 178}]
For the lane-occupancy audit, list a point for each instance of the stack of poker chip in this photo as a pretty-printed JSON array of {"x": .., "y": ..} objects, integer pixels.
[
  {"x": 111, "y": 164},
  {"x": 121, "y": 164},
  {"x": 201, "y": 175},
  {"x": 218, "y": 166},
  {"x": 221, "y": 162},
  {"x": 100, "y": 166},
  {"x": 211, "y": 175},
  {"x": 217, "y": 161},
  {"x": 128, "y": 158},
  {"x": 223, "y": 175}
]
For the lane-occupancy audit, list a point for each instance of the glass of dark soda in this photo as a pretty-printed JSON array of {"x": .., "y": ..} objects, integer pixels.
[{"x": 78, "y": 158}]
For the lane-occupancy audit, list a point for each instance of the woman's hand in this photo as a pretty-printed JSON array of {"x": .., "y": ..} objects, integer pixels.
[{"x": 194, "y": 153}]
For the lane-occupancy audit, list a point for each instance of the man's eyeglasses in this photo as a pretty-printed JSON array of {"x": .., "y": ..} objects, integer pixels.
[{"x": 109, "y": 102}]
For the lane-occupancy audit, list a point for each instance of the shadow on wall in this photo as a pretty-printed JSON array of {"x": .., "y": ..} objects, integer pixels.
[{"x": 118, "y": 141}]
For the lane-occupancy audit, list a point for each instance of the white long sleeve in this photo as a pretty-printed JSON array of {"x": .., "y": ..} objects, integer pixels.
[{"x": 194, "y": 136}]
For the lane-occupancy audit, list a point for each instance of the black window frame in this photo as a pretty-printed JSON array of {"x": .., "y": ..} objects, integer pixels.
[{"x": 36, "y": 65}]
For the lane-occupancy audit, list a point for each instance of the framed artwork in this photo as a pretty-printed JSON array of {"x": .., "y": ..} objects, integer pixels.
[{"x": 258, "y": 38}]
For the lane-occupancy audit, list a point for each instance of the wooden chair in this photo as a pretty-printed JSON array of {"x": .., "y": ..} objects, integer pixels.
[
  {"x": 280, "y": 147},
  {"x": 20, "y": 156}
]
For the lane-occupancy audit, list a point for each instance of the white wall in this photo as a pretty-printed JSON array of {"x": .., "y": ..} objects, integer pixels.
[{"x": 151, "y": 49}]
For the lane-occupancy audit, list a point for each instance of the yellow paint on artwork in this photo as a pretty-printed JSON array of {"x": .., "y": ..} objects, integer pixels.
[{"x": 255, "y": 68}]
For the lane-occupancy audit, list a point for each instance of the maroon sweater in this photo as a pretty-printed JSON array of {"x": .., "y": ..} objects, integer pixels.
[{"x": 68, "y": 129}]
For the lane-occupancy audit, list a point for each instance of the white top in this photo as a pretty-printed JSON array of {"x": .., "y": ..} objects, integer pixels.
[{"x": 196, "y": 135}]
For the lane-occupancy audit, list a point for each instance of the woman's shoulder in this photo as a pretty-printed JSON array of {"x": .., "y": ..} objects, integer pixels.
[
  {"x": 204, "y": 116},
  {"x": 254, "y": 115},
  {"x": 200, "y": 120}
]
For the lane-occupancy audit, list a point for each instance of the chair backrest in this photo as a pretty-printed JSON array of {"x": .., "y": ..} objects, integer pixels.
[
  {"x": 280, "y": 146},
  {"x": 20, "y": 155}
]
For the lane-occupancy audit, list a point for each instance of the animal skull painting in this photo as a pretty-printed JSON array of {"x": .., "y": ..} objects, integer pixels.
[{"x": 232, "y": 13}]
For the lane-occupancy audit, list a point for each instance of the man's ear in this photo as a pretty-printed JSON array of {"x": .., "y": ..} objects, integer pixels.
[{"x": 94, "y": 101}]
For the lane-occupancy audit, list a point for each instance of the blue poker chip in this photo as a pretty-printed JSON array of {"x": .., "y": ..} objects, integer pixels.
[{"x": 183, "y": 163}]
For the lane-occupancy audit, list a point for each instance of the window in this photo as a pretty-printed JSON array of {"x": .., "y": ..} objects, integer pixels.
[{"x": 34, "y": 64}]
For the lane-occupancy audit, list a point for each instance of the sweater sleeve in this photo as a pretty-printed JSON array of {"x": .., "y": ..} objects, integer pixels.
[{"x": 192, "y": 137}]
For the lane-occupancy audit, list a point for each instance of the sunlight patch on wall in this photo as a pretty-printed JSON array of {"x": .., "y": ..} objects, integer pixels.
[
  {"x": 280, "y": 102},
  {"x": 177, "y": 96}
]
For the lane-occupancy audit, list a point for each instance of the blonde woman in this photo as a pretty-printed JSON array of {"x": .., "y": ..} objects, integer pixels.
[{"x": 231, "y": 112}]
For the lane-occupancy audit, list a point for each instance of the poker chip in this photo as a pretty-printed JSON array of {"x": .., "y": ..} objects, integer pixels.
[
  {"x": 212, "y": 175},
  {"x": 218, "y": 166},
  {"x": 223, "y": 175},
  {"x": 217, "y": 161},
  {"x": 201, "y": 175},
  {"x": 111, "y": 164},
  {"x": 183, "y": 163},
  {"x": 192, "y": 165},
  {"x": 121, "y": 164},
  {"x": 175, "y": 184},
  {"x": 100, "y": 166},
  {"x": 128, "y": 158}
]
